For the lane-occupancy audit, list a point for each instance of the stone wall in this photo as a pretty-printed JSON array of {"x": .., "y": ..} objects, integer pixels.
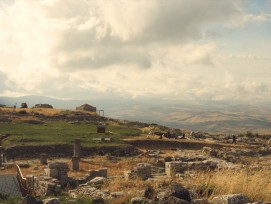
[
  {"x": 142, "y": 170},
  {"x": 59, "y": 171},
  {"x": 65, "y": 150},
  {"x": 45, "y": 186},
  {"x": 178, "y": 167}
]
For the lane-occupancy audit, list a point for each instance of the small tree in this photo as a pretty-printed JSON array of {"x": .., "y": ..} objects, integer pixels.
[{"x": 24, "y": 105}]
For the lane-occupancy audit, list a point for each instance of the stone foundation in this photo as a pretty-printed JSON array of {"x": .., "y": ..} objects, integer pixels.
[
  {"x": 45, "y": 186},
  {"x": 142, "y": 170},
  {"x": 58, "y": 170},
  {"x": 178, "y": 167}
]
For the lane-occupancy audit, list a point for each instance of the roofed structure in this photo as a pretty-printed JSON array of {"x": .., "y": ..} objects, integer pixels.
[{"x": 86, "y": 107}]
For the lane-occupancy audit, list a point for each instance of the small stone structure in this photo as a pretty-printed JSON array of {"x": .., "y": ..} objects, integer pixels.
[
  {"x": 231, "y": 199},
  {"x": 43, "y": 159},
  {"x": 86, "y": 107},
  {"x": 175, "y": 167},
  {"x": 45, "y": 186},
  {"x": 30, "y": 183},
  {"x": 142, "y": 170},
  {"x": 58, "y": 170}
]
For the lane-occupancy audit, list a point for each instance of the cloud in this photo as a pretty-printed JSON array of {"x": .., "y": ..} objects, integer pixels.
[
  {"x": 3, "y": 79},
  {"x": 125, "y": 32},
  {"x": 169, "y": 49},
  {"x": 262, "y": 18}
]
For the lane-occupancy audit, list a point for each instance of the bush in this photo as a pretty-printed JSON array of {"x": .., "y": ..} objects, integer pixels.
[{"x": 23, "y": 112}]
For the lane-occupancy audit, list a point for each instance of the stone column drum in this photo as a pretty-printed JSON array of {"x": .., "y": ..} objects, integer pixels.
[
  {"x": 75, "y": 163},
  {"x": 43, "y": 159},
  {"x": 77, "y": 148}
]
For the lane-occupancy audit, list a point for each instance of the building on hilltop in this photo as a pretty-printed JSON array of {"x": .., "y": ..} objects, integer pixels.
[
  {"x": 86, "y": 107},
  {"x": 43, "y": 106}
]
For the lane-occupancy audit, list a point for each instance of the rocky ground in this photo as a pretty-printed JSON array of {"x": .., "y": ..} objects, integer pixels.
[{"x": 200, "y": 168}]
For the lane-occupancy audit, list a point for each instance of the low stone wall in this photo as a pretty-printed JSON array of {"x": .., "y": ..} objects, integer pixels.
[
  {"x": 59, "y": 171},
  {"x": 142, "y": 170},
  {"x": 178, "y": 167},
  {"x": 233, "y": 155},
  {"x": 45, "y": 186},
  {"x": 65, "y": 150}
]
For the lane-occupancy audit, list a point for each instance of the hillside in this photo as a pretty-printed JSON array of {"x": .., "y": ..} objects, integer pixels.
[{"x": 208, "y": 116}]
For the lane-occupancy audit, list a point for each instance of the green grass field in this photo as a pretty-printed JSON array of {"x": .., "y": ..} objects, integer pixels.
[{"x": 60, "y": 132}]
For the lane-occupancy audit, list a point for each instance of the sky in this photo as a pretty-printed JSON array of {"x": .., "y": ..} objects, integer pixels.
[{"x": 173, "y": 49}]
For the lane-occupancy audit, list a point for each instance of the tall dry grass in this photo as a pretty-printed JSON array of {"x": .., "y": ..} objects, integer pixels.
[
  {"x": 256, "y": 184},
  {"x": 44, "y": 111}
]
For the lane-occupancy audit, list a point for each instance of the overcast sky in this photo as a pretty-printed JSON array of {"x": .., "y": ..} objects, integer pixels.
[{"x": 179, "y": 49}]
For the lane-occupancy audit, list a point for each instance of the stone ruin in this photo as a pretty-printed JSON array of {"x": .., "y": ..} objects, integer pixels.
[
  {"x": 45, "y": 186},
  {"x": 178, "y": 167},
  {"x": 142, "y": 171},
  {"x": 233, "y": 155},
  {"x": 76, "y": 155},
  {"x": 59, "y": 171},
  {"x": 1, "y": 157},
  {"x": 43, "y": 159}
]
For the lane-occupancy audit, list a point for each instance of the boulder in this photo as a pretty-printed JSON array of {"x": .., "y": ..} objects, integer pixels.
[
  {"x": 174, "y": 200},
  {"x": 200, "y": 201},
  {"x": 231, "y": 199},
  {"x": 149, "y": 192},
  {"x": 117, "y": 194},
  {"x": 175, "y": 190},
  {"x": 139, "y": 200},
  {"x": 97, "y": 181},
  {"x": 51, "y": 201}
]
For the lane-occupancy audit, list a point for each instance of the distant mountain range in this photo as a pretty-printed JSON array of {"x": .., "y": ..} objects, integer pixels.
[{"x": 208, "y": 116}]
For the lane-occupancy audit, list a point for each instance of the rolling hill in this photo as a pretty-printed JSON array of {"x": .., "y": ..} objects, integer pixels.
[{"x": 205, "y": 116}]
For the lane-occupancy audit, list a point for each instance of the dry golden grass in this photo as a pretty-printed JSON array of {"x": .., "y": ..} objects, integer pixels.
[
  {"x": 115, "y": 167},
  {"x": 256, "y": 184},
  {"x": 44, "y": 111}
]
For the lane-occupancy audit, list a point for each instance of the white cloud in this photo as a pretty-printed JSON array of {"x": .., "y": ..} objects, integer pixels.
[
  {"x": 131, "y": 48},
  {"x": 262, "y": 18}
]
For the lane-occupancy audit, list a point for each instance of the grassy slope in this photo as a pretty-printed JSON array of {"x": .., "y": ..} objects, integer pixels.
[{"x": 60, "y": 132}]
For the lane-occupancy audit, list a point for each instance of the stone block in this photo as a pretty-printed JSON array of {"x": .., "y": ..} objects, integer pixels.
[
  {"x": 231, "y": 199},
  {"x": 51, "y": 172}
]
